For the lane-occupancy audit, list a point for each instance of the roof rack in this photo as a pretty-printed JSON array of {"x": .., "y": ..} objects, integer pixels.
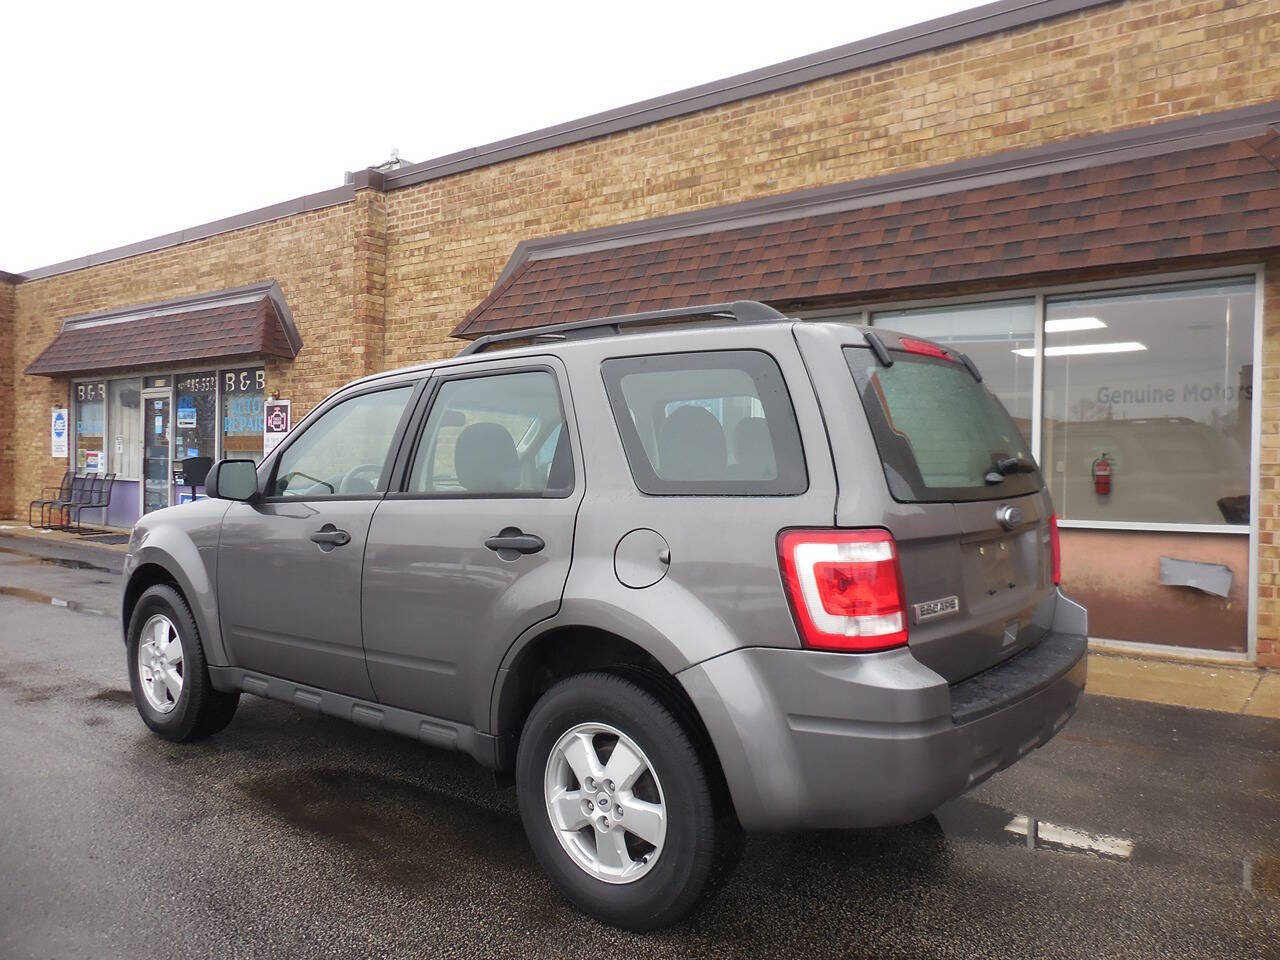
[{"x": 740, "y": 311}]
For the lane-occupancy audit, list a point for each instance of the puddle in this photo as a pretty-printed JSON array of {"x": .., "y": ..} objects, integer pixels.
[
  {"x": 35, "y": 596},
  {"x": 391, "y": 828},
  {"x": 1258, "y": 874},
  {"x": 64, "y": 562}
]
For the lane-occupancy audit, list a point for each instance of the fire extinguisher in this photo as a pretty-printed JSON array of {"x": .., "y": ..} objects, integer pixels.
[{"x": 1102, "y": 475}]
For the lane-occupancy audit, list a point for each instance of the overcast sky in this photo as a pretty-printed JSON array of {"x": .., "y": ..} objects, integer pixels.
[{"x": 128, "y": 120}]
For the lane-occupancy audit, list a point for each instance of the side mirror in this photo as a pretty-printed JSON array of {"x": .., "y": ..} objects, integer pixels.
[{"x": 232, "y": 480}]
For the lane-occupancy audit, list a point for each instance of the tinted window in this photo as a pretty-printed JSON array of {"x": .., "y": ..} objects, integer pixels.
[
  {"x": 939, "y": 431},
  {"x": 707, "y": 423},
  {"x": 345, "y": 451},
  {"x": 495, "y": 436},
  {"x": 999, "y": 337}
]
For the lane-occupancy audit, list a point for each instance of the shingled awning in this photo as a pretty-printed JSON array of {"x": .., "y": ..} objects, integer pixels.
[
  {"x": 1158, "y": 195},
  {"x": 241, "y": 322}
]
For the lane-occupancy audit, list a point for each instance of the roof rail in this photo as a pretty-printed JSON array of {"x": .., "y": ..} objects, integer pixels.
[{"x": 740, "y": 311}]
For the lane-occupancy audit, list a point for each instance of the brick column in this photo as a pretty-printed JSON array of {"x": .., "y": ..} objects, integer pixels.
[
  {"x": 1268, "y": 508},
  {"x": 369, "y": 274},
  {"x": 8, "y": 398}
]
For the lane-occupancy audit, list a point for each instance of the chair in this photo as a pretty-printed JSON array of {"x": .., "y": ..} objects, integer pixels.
[
  {"x": 100, "y": 499},
  {"x": 80, "y": 489},
  {"x": 51, "y": 495}
]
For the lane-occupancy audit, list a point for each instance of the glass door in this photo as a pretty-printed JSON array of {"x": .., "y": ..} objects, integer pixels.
[{"x": 157, "y": 485}]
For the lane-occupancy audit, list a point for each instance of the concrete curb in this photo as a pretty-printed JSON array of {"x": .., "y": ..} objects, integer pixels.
[{"x": 31, "y": 542}]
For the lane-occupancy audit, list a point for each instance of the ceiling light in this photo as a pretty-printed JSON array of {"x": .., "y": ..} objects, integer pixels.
[
  {"x": 1068, "y": 324},
  {"x": 1124, "y": 346}
]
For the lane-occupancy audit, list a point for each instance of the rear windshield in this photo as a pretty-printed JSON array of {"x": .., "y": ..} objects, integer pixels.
[{"x": 941, "y": 434}]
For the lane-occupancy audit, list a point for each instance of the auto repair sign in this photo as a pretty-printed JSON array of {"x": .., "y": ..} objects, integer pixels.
[{"x": 275, "y": 424}]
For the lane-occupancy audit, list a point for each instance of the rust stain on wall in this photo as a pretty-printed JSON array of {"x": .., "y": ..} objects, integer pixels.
[{"x": 1116, "y": 574}]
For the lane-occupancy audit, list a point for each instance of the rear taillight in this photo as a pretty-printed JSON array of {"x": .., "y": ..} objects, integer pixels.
[
  {"x": 1055, "y": 548},
  {"x": 923, "y": 347},
  {"x": 845, "y": 588}
]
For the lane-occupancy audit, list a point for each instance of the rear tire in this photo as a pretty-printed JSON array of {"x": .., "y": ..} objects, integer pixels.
[
  {"x": 642, "y": 873},
  {"x": 168, "y": 672}
]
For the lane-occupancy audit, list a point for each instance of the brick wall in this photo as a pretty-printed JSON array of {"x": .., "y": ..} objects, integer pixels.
[
  {"x": 313, "y": 256},
  {"x": 7, "y": 438},
  {"x": 1268, "y": 572}
]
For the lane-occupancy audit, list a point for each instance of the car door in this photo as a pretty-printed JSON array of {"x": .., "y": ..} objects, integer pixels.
[
  {"x": 475, "y": 546},
  {"x": 289, "y": 563}
]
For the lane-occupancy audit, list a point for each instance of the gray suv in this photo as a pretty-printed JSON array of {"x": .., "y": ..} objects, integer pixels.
[{"x": 675, "y": 580}]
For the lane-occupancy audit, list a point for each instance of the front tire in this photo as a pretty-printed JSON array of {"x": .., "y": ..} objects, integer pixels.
[
  {"x": 168, "y": 672},
  {"x": 618, "y": 804}
]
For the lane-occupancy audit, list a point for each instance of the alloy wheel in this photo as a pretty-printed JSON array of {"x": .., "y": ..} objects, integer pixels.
[
  {"x": 605, "y": 803},
  {"x": 160, "y": 663}
]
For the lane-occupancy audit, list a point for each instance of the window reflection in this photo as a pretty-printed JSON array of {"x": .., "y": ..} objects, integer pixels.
[
  {"x": 1148, "y": 403},
  {"x": 243, "y": 393},
  {"x": 124, "y": 415}
]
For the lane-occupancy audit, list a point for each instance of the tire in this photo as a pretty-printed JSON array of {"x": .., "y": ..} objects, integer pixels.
[
  {"x": 198, "y": 710},
  {"x": 700, "y": 836}
]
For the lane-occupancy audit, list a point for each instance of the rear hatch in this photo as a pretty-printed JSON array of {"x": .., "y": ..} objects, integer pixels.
[{"x": 967, "y": 506}]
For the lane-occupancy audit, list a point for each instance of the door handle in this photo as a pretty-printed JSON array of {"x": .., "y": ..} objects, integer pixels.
[
  {"x": 511, "y": 542},
  {"x": 331, "y": 536}
]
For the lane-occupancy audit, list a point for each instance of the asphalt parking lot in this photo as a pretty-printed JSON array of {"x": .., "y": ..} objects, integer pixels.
[{"x": 295, "y": 835}]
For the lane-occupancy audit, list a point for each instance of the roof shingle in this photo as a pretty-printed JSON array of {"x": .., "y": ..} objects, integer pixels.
[
  {"x": 246, "y": 322},
  {"x": 1202, "y": 201}
]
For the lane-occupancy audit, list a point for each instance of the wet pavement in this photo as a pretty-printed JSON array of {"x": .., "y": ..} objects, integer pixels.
[{"x": 1141, "y": 831}]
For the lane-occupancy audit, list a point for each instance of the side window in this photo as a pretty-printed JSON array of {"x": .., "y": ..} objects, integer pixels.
[
  {"x": 345, "y": 451},
  {"x": 499, "y": 435},
  {"x": 715, "y": 424}
]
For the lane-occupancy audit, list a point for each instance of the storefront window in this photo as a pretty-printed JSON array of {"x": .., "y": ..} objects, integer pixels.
[
  {"x": 243, "y": 393},
  {"x": 90, "y": 404},
  {"x": 194, "y": 417},
  {"x": 998, "y": 337},
  {"x": 124, "y": 419},
  {"x": 1148, "y": 403}
]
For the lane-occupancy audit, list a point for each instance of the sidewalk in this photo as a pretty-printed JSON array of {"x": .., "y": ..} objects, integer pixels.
[
  {"x": 19, "y": 530},
  {"x": 17, "y": 537},
  {"x": 1229, "y": 689}
]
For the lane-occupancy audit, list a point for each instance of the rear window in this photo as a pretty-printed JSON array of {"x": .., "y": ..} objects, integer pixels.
[
  {"x": 939, "y": 431},
  {"x": 718, "y": 423}
]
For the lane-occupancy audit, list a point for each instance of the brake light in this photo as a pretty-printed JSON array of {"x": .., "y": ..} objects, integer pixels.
[
  {"x": 923, "y": 347},
  {"x": 1055, "y": 548},
  {"x": 845, "y": 588}
]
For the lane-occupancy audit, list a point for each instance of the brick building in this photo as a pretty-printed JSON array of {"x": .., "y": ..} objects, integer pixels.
[{"x": 1085, "y": 194}]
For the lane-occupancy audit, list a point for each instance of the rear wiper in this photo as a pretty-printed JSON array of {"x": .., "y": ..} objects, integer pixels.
[{"x": 1008, "y": 465}]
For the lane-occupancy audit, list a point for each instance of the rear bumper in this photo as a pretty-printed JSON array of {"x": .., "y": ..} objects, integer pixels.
[{"x": 810, "y": 739}]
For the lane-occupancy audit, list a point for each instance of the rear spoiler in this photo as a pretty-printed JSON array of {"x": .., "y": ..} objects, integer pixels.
[{"x": 886, "y": 359}]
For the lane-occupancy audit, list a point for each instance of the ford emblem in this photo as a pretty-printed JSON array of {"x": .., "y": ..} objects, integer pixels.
[{"x": 1009, "y": 516}]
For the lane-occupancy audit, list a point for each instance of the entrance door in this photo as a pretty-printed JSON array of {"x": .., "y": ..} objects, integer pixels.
[{"x": 157, "y": 479}]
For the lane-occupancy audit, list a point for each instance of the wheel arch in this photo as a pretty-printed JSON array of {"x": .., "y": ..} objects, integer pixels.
[
  {"x": 569, "y": 649},
  {"x": 153, "y": 565}
]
